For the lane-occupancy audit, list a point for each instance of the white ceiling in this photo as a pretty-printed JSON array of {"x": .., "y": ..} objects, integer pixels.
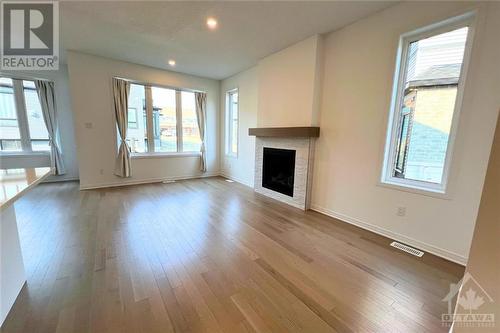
[{"x": 150, "y": 33}]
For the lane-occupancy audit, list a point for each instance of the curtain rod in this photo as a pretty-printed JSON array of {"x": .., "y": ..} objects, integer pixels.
[{"x": 158, "y": 85}]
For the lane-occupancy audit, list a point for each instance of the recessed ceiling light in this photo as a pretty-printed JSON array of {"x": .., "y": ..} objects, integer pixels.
[
  {"x": 211, "y": 23},
  {"x": 171, "y": 62}
]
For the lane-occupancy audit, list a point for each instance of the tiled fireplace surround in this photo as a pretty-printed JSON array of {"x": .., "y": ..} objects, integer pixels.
[{"x": 304, "y": 157}]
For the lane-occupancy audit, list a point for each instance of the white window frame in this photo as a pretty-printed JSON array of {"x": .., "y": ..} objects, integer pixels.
[
  {"x": 387, "y": 177},
  {"x": 229, "y": 123},
  {"x": 22, "y": 119},
  {"x": 150, "y": 126}
]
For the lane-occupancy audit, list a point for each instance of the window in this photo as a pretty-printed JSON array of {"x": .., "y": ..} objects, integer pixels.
[
  {"x": 164, "y": 119},
  {"x": 38, "y": 132},
  {"x": 22, "y": 127},
  {"x": 10, "y": 136},
  {"x": 423, "y": 117},
  {"x": 132, "y": 118},
  {"x": 156, "y": 117},
  {"x": 190, "y": 133},
  {"x": 136, "y": 132},
  {"x": 232, "y": 122}
]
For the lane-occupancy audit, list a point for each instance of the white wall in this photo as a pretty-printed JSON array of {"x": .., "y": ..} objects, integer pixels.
[
  {"x": 485, "y": 248},
  {"x": 91, "y": 91},
  {"x": 283, "y": 89},
  {"x": 288, "y": 85},
  {"x": 359, "y": 63},
  {"x": 241, "y": 167},
  {"x": 64, "y": 119}
]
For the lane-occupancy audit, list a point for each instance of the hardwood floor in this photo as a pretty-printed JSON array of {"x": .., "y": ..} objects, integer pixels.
[{"x": 211, "y": 256}]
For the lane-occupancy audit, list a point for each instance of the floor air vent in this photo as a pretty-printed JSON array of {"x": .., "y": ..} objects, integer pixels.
[{"x": 407, "y": 249}]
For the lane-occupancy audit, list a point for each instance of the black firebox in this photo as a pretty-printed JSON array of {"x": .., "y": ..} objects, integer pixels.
[{"x": 278, "y": 170}]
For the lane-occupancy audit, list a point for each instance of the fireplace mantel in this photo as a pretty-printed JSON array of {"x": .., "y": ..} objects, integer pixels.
[{"x": 297, "y": 132}]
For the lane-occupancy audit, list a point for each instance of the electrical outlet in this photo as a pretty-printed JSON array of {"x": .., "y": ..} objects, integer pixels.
[
  {"x": 101, "y": 171},
  {"x": 401, "y": 211},
  {"x": 89, "y": 125}
]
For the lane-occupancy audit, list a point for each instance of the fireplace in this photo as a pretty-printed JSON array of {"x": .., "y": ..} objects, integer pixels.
[
  {"x": 284, "y": 163},
  {"x": 278, "y": 170}
]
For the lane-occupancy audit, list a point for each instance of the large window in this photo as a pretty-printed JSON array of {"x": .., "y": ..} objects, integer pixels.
[
  {"x": 137, "y": 138},
  {"x": 39, "y": 136},
  {"x": 190, "y": 133},
  {"x": 232, "y": 122},
  {"x": 22, "y": 128},
  {"x": 162, "y": 120},
  {"x": 426, "y": 101}
]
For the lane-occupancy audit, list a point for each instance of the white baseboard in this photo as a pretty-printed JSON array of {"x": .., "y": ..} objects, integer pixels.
[
  {"x": 236, "y": 179},
  {"x": 448, "y": 255},
  {"x": 146, "y": 181}
]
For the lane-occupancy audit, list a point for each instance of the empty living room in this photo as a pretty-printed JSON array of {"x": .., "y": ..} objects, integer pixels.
[{"x": 249, "y": 166}]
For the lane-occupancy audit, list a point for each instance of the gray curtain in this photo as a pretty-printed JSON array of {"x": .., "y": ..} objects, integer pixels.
[
  {"x": 121, "y": 89},
  {"x": 47, "y": 98},
  {"x": 201, "y": 115}
]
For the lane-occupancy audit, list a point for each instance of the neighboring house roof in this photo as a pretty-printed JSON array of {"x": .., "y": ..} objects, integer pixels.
[{"x": 436, "y": 76}]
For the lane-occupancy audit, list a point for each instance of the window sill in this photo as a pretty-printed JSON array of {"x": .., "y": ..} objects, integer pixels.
[
  {"x": 415, "y": 189},
  {"x": 164, "y": 155},
  {"x": 24, "y": 153}
]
